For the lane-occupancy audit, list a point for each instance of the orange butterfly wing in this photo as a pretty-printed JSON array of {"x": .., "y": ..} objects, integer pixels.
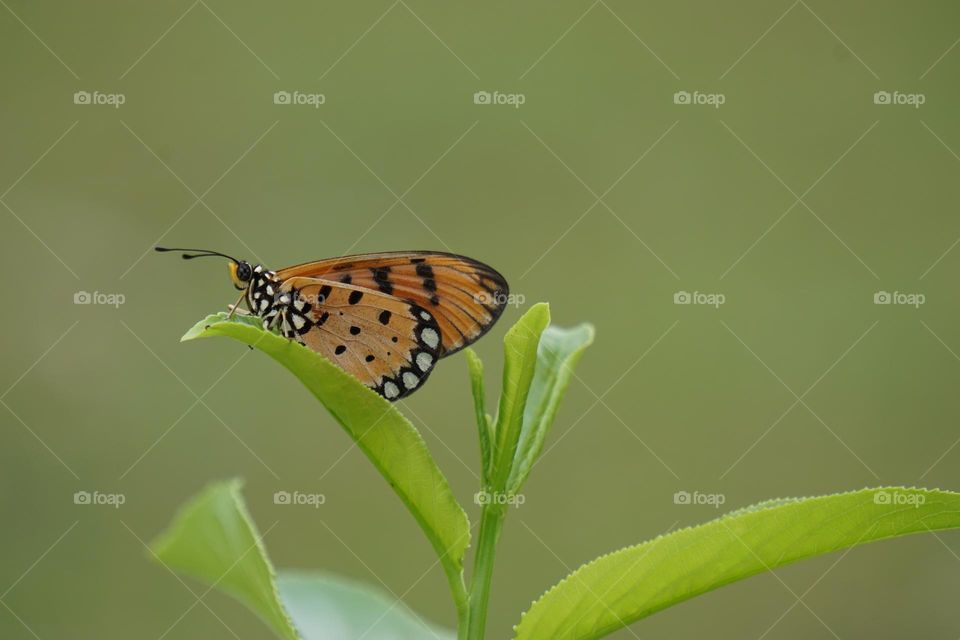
[
  {"x": 466, "y": 296},
  {"x": 389, "y": 344}
]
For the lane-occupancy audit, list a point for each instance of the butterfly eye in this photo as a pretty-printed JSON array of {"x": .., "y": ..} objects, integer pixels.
[{"x": 243, "y": 272}]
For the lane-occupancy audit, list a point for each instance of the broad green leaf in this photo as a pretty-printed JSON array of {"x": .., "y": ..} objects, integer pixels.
[
  {"x": 387, "y": 438},
  {"x": 635, "y": 582},
  {"x": 557, "y": 354},
  {"x": 214, "y": 539},
  {"x": 327, "y": 607},
  {"x": 479, "y": 406},
  {"x": 519, "y": 365}
]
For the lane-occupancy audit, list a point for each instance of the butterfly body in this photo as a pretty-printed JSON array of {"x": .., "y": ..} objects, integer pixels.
[{"x": 387, "y": 318}]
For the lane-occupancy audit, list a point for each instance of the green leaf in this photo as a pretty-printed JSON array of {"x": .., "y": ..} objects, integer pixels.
[
  {"x": 213, "y": 538},
  {"x": 520, "y": 363},
  {"x": 327, "y": 607},
  {"x": 387, "y": 438},
  {"x": 635, "y": 582},
  {"x": 557, "y": 354},
  {"x": 479, "y": 406}
]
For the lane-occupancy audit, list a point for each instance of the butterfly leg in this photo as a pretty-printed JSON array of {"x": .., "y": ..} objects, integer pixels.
[
  {"x": 235, "y": 307},
  {"x": 271, "y": 318}
]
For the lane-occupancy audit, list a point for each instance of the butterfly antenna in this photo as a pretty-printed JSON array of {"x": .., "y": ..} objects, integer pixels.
[{"x": 200, "y": 253}]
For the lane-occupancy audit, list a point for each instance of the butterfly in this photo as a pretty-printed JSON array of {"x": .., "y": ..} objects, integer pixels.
[{"x": 385, "y": 318}]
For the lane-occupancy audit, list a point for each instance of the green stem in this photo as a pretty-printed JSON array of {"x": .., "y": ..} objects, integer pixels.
[
  {"x": 458, "y": 589},
  {"x": 491, "y": 523}
]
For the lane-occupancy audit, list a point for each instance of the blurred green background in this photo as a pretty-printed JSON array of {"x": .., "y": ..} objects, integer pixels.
[{"x": 797, "y": 199}]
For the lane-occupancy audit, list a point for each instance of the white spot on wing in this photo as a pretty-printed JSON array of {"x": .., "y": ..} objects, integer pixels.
[
  {"x": 410, "y": 380},
  {"x": 298, "y": 322},
  {"x": 430, "y": 337},
  {"x": 424, "y": 315},
  {"x": 424, "y": 361},
  {"x": 390, "y": 390}
]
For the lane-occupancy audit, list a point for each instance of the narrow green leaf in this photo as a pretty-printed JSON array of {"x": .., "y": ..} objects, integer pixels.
[
  {"x": 214, "y": 539},
  {"x": 479, "y": 406},
  {"x": 327, "y": 607},
  {"x": 387, "y": 438},
  {"x": 635, "y": 582},
  {"x": 520, "y": 363},
  {"x": 557, "y": 354}
]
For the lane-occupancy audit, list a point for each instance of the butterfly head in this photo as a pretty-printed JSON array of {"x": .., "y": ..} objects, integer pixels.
[{"x": 240, "y": 270}]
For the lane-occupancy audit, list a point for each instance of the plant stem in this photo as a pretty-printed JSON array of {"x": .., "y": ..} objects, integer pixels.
[
  {"x": 462, "y": 600},
  {"x": 491, "y": 523}
]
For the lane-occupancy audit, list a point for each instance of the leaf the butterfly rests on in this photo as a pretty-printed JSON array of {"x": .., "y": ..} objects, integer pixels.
[{"x": 386, "y": 318}]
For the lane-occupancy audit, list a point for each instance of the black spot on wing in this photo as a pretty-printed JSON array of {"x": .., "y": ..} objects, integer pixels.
[{"x": 381, "y": 275}]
